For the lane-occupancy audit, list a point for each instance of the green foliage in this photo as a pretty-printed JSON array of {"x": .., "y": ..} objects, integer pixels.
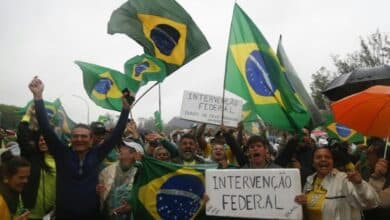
[
  {"x": 320, "y": 80},
  {"x": 9, "y": 118},
  {"x": 374, "y": 51}
]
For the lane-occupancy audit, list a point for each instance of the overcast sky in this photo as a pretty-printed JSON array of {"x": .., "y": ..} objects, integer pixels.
[{"x": 44, "y": 37}]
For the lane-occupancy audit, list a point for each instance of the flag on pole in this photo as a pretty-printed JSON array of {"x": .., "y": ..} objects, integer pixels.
[
  {"x": 297, "y": 85},
  {"x": 167, "y": 191},
  {"x": 163, "y": 28},
  {"x": 158, "y": 123},
  {"x": 254, "y": 73},
  {"x": 103, "y": 85},
  {"x": 141, "y": 69}
]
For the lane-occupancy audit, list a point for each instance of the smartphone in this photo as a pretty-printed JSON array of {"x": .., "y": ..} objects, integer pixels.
[{"x": 129, "y": 97}]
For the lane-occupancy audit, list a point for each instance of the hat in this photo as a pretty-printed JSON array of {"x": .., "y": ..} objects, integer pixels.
[
  {"x": 132, "y": 144},
  {"x": 98, "y": 128}
]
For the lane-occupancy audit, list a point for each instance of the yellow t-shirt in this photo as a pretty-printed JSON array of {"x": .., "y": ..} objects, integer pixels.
[
  {"x": 315, "y": 200},
  {"x": 4, "y": 211}
]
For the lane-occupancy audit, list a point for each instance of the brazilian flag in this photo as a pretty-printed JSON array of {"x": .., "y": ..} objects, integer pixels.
[
  {"x": 141, "y": 69},
  {"x": 254, "y": 73},
  {"x": 163, "y": 28},
  {"x": 342, "y": 132},
  {"x": 164, "y": 190},
  {"x": 103, "y": 85},
  {"x": 298, "y": 87},
  {"x": 57, "y": 116}
]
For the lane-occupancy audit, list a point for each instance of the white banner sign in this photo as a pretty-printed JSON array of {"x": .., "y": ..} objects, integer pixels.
[
  {"x": 253, "y": 193},
  {"x": 208, "y": 108}
]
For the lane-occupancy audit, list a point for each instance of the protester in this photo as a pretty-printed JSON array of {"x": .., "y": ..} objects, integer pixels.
[
  {"x": 218, "y": 155},
  {"x": 116, "y": 181},
  {"x": 77, "y": 167},
  {"x": 375, "y": 151},
  {"x": 98, "y": 132},
  {"x": 380, "y": 180},
  {"x": 187, "y": 151},
  {"x": 39, "y": 194},
  {"x": 160, "y": 153},
  {"x": 330, "y": 194},
  {"x": 14, "y": 175}
]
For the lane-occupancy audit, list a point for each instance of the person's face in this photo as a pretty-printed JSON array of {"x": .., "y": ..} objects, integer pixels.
[
  {"x": 162, "y": 154},
  {"x": 98, "y": 138},
  {"x": 323, "y": 162},
  {"x": 257, "y": 153},
  {"x": 187, "y": 148},
  {"x": 81, "y": 139},
  {"x": 19, "y": 180},
  {"x": 126, "y": 156},
  {"x": 218, "y": 152},
  {"x": 42, "y": 144}
]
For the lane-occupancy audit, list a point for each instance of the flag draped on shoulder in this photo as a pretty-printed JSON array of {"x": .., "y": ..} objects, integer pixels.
[
  {"x": 342, "y": 132},
  {"x": 298, "y": 87},
  {"x": 103, "y": 85},
  {"x": 163, "y": 28},
  {"x": 141, "y": 69},
  {"x": 254, "y": 73},
  {"x": 164, "y": 190}
]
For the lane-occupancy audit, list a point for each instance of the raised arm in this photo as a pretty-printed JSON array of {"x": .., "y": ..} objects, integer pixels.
[
  {"x": 116, "y": 134},
  {"x": 53, "y": 142}
]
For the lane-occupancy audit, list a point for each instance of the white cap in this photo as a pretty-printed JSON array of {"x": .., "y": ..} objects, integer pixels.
[
  {"x": 322, "y": 142},
  {"x": 137, "y": 147}
]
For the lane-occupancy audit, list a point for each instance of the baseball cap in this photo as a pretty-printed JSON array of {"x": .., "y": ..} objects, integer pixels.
[
  {"x": 132, "y": 144},
  {"x": 98, "y": 128}
]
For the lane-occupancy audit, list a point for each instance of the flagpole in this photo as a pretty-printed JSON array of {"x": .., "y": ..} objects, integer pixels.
[
  {"x": 159, "y": 98},
  {"x": 136, "y": 101}
]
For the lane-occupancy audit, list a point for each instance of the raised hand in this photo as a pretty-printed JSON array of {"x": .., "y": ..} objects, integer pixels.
[
  {"x": 36, "y": 87},
  {"x": 127, "y": 99},
  {"x": 354, "y": 177},
  {"x": 381, "y": 167}
]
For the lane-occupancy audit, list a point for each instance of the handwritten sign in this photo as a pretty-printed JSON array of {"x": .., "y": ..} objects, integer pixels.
[
  {"x": 253, "y": 193},
  {"x": 208, "y": 108}
]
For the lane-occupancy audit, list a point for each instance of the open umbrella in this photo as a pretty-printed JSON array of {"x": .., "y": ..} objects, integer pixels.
[
  {"x": 367, "y": 112},
  {"x": 356, "y": 81}
]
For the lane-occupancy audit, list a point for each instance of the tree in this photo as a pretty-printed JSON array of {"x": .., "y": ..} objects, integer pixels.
[
  {"x": 374, "y": 51},
  {"x": 320, "y": 80},
  {"x": 9, "y": 118}
]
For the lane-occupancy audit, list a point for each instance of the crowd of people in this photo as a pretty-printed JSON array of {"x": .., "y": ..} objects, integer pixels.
[{"x": 91, "y": 177}]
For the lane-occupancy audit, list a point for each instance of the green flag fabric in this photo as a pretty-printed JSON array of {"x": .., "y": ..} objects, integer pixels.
[
  {"x": 163, "y": 28},
  {"x": 141, "y": 69},
  {"x": 103, "y": 85},
  {"x": 164, "y": 190},
  {"x": 158, "y": 123},
  {"x": 254, "y": 73},
  {"x": 298, "y": 86},
  {"x": 61, "y": 122},
  {"x": 248, "y": 113},
  {"x": 342, "y": 132}
]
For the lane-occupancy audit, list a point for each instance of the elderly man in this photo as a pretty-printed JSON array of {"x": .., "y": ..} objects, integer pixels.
[
  {"x": 77, "y": 167},
  {"x": 116, "y": 182}
]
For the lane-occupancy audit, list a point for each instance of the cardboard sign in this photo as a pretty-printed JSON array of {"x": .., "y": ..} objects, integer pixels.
[
  {"x": 208, "y": 108},
  {"x": 253, "y": 193}
]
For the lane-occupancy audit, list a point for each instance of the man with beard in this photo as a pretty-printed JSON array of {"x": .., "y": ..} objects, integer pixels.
[{"x": 187, "y": 149}]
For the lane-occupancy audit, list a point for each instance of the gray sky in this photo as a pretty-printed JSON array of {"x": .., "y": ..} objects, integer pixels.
[{"x": 44, "y": 37}]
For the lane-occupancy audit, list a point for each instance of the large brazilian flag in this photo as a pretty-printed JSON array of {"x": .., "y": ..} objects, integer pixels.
[
  {"x": 141, "y": 69},
  {"x": 164, "y": 190},
  {"x": 103, "y": 85},
  {"x": 254, "y": 73},
  {"x": 163, "y": 28}
]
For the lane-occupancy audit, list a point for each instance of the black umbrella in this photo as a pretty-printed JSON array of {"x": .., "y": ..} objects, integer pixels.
[{"x": 356, "y": 81}]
